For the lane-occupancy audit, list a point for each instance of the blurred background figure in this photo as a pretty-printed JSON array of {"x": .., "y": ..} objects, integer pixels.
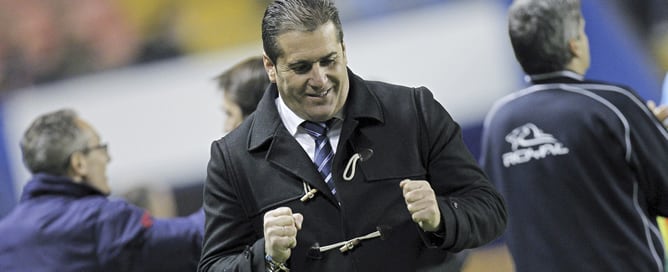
[
  {"x": 65, "y": 222},
  {"x": 581, "y": 163},
  {"x": 243, "y": 86}
]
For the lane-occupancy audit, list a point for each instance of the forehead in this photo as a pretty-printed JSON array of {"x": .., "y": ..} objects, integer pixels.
[
  {"x": 88, "y": 130},
  {"x": 308, "y": 45}
]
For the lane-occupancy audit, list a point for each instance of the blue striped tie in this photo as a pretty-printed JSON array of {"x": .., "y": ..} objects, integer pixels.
[{"x": 323, "y": 150}]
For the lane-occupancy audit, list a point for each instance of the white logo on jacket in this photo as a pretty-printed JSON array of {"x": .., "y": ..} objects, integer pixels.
[{"x": 529, "y": 142}]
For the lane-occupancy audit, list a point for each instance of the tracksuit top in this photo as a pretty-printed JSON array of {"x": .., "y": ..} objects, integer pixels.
[
  {"x": 60, "y": 225},
  {"x": 583, "y": 167}
]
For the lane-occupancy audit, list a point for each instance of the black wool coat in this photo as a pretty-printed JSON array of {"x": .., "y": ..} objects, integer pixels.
[{"x": 260, "y": 167}]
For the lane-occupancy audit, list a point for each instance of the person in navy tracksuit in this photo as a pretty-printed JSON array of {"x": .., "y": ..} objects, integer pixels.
[
  {"x": 65, "y": 222},
  {"x": 583, "y": 165}
]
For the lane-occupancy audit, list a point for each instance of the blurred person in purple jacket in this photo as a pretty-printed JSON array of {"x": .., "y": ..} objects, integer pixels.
[{"x": 65, "y": 222}]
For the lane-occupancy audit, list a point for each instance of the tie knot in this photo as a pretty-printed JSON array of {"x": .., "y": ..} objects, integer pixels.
[{"x": 316, "y": 130}]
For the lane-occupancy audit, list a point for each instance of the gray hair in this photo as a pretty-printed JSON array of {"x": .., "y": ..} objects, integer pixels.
[
  {"x": 283, "y": 16},
  {"x": 540, "y": 31},
  {"x": 50, "y": 140}
]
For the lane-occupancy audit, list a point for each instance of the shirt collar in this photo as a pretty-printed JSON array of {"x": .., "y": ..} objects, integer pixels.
[{"x": 290, "y": 119}]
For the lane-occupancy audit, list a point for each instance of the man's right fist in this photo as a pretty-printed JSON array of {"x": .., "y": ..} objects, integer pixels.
[{"x": 280, "y": 232}]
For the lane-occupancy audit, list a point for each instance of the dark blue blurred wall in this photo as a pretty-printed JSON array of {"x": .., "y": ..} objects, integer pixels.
[
  {"x": 7, "y": 196},
  {"x": 617, "y": 54}
]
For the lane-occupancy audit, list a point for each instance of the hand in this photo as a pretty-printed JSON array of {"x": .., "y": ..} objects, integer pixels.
[
  {"x": 280, "y": 232},
  {"x": 661, "y": 112},
  {"x": 421, "y": 202}
]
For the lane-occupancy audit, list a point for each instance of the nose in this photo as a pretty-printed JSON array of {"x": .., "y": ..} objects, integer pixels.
[
  {"x": 108, "y": 156},
  {"x": 318, "y": 76}
]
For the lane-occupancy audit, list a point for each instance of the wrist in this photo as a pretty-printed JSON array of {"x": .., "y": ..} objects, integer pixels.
[{"x": 274, "y": 266}]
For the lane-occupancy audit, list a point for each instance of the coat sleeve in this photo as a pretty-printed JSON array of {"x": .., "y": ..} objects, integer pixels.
[
  {"x": 230, "y": 244},
  {"x": 473, "y": 212},
  {"x": 132, "y": 240}
]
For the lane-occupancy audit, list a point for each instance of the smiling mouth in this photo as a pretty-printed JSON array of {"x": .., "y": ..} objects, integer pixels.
[{"x": 320, "y": 94}]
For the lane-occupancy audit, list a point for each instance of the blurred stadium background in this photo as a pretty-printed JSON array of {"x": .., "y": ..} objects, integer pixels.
[{"x": 142, "y": 72}]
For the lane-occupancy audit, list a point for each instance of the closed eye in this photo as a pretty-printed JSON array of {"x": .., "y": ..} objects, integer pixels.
[{"x": 301, "y": 68}]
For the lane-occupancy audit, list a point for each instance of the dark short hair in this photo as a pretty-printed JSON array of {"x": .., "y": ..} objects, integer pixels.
[
  {"x": 50, "y": 140},
  {"x": 540, "y": 31},
  {"x": 283, "y": 16},
  {"x": 245, "y": 83}
]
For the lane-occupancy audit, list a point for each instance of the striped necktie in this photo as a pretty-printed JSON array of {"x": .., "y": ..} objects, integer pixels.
[{"x": 323, "y": 150}]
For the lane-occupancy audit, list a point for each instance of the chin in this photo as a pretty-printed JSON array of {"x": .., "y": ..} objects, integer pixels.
[{"x": 320, "y": 117}]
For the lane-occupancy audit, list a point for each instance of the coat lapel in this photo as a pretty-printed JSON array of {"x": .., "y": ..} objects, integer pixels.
[
  {"x": 268, "y": 135},
  {"x": 362, "y": 110}
]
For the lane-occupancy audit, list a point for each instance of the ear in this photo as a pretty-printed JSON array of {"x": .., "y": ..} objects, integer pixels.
[
  {"x": 343, "y": 49},
  {"x": 574, "y": 47},
  {"x": 78, "y": 167},
  {"x": 269, "y": 67}
]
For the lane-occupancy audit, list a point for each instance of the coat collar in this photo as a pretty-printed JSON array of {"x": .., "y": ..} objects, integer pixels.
[
  {"x": 555, "y": 77},
  {"x": 44, "y": 184}
]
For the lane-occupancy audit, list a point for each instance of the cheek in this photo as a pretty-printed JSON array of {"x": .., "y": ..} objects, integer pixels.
[
  {"x": 233, "y": 119},
  {"x": 230, "y": 124},
  {"x": 291, "y": 83},
  {"x": 236, "y": 118},
  {"x": 102, "y": 167}
]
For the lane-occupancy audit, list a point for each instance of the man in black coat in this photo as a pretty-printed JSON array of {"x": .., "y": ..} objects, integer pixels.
[{"x": 335, "y": 173}]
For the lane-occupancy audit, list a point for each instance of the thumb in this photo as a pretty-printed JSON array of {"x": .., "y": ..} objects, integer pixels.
[
  {"x": 299, "y": 219},
  {"x": 651, "y": 105}
]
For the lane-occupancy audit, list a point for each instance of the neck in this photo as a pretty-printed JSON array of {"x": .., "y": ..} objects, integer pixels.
[{"x": 577, "y": 66}]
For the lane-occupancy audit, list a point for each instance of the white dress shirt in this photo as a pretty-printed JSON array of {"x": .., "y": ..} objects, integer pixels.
[{"x": 292, "y": 123}]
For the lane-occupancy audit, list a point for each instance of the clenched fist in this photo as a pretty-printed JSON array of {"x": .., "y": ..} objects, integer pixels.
[
  {"x": 280, "y": 232},
  {"x": 661, "y": 112},
  {"x": 421, "y": 202}
]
